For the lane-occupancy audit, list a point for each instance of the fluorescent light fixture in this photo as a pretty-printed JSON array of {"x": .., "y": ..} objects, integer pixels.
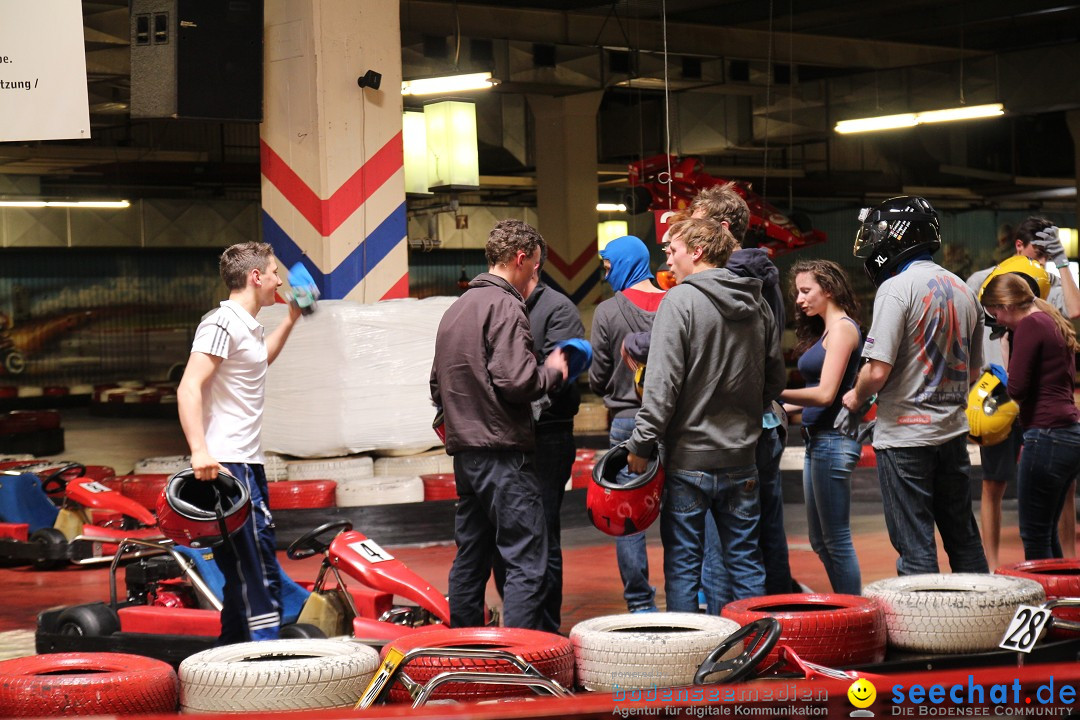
[
  {"x": 904, "y": 120},
  {"x": 610, "y": 207},
  {"x": 961, "y": 113},
  {"x": 414, "y": 140},
  {"x": 98, "y": 204},
  {"x": 873, "y": 124},
  {"x": 448, "y": 84}
]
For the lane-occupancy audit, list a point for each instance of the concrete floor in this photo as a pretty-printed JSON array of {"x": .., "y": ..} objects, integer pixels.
[{"x": 591, "y": 585}]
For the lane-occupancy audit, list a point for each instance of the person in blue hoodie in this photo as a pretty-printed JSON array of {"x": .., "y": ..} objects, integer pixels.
[
  {"x": 631, "y": 310},
  {"x": 714, "y": 363}
]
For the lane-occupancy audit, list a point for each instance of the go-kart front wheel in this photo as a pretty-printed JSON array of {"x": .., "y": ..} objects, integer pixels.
[
  {"x": 95, "y": 620},
  {"x": 53, "y": 540},
  {"x": 301, "y": 631}
]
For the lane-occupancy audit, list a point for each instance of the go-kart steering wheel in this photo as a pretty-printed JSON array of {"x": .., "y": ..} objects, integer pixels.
[
  {"x": 742, "y": 666},
  {"x": 312, "y": 543},
  {"x": 56, "y": 482}
]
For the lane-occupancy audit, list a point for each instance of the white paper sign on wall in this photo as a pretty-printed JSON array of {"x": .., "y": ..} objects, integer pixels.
[{"x": 42, "y": 71}]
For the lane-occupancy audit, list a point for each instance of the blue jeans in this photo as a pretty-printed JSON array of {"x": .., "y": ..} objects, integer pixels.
[
  {"x": 730, "y": 495},
  {"x": 630, "y": 551},
  {"x": 924, "y": 485},
  {"x": 1048, "y": 465},
  {"x": 830, "y": 458},
  {"x": 771, "y": 535}
]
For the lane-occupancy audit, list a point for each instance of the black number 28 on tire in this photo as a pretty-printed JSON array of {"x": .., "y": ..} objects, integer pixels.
[{"x": 1025, "y": 628}]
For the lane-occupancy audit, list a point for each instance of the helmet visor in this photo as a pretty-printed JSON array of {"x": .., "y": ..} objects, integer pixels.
[{"x": 870, "y": 233}]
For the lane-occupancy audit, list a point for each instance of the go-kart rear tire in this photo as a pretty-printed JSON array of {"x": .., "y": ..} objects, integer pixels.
[
  {"x": 552, "y": 655},
  {"x": 50, "y": 538},
  {"x": 829, "y": 629},
  {"x": 94, "y": 620},
  {"x": 951, "y": 613},
  {"x": 86, "y": 684},
  {"x": 644, "y": 650},
  {"x": 301, "y": 631},
  {"x": 276, "y": 675}
]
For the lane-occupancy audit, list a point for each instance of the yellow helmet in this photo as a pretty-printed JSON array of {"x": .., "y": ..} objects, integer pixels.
[
  {"x": 990, "y": 410},
  {"x": 1030, "y": 270}
]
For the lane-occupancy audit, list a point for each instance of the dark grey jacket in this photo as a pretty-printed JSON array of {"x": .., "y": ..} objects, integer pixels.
[
  {"x": 553, "y": 317},
  {"x": 708, "y": 377},
  {"x": 485, "y": 374},
  {"x": 609, "y": 377}
]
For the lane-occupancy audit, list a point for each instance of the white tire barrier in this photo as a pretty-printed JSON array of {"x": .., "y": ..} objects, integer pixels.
[
  {"x": 951, "y": 613},
  {"x": 276, "y": 675},
  {"x": 645, "y": 650},
  {"x": 166, "y": 465},
  {"x": 426, "y": 464},
  {"x": 338, "y": 468},
  {"x": 387, "y": 490}
]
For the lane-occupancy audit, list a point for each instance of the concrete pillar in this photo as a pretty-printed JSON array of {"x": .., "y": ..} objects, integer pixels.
[
  {"x": 567, "y": 193},
  {"x": 333, "y": 188}
]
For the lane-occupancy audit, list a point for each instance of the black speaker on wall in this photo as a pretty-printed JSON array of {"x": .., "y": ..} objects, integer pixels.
[{"x": 198, "y": 59}]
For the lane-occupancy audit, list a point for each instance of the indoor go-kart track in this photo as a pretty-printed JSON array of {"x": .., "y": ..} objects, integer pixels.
[{"x": 591, "y": 580}]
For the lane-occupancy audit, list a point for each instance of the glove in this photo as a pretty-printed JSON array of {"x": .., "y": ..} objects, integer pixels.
[
  {"x": 1047, "y": 240},
  {"x": 999, "y": 372},
  {"x": 851, "y": 424}
]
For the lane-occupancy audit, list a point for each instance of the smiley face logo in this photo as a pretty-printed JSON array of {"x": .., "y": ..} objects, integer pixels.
[{"x": 862, "y": 693}]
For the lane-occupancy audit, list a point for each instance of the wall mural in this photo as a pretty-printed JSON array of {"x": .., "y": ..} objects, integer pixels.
[{"x": 104, "y": 316}]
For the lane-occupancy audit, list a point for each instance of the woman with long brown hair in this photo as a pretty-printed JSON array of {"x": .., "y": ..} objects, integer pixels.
[
  {"x": 830, "y": 340},
  {"x": 1042, "y": 372}
]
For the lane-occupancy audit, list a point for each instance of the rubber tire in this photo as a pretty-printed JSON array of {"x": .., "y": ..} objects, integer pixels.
[
  {"x": 301, "y": 494},
  {"x": 339, "y": 468},
  {"x": 86, "y": 684},
  {"x": 432, "y": 463},
  {"x": 552, "y": 655},
  {"x": 49, "y": 537},
  {"x": 168, "y": 464},
  {"x": 951, "y": 613},
  {"x": 276, "y": 675},
  {"x": 830, "y": 629},
  {"x": 645, "y": 650},
  {"x": 93, "y": 620},
  {"x": 440, "y": 486},
  {"x": 1060, "y": 577},
  {"x": 301, "y": 631},
  {"x": 385, "y": 490},
  {"x": 145, "y": 488}
]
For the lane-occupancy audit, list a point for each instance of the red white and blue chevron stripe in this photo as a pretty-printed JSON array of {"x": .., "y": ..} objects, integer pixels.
[{"x": 363, "y": 219}]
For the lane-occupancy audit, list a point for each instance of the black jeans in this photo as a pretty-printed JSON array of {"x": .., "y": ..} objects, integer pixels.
[{"x": 500, "y": 510}]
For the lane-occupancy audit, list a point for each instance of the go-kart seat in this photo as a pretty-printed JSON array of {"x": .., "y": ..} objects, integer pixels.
[
  {"x": 23, "y": 501},
  {"x": 293, "y": 596}
]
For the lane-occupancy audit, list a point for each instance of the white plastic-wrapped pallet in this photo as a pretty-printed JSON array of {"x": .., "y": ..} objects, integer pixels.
[{"x": 353, "y": 378}]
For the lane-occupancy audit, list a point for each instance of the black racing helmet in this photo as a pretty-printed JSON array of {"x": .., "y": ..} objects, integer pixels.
[{"x": 894, "y": 232}]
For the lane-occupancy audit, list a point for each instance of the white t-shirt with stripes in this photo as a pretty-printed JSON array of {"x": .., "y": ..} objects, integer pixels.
[{"x": 233, "y": 399}]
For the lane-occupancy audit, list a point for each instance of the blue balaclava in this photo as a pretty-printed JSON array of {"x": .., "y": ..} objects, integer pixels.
[{"x": 629, "y": 260}]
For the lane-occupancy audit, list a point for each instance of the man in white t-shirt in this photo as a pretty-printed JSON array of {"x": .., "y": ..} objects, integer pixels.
[
  {"x": 923, "y": 351},
  {"x": 220, "y": 401},
  {"x": 1035, "y": 238}
]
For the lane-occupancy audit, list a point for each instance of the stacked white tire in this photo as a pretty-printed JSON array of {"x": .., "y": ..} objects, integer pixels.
[
  {"x": 276, "y": 676},
  {"x": 340, "y": 469},
  {"x": 165, "y": 465},
  {"x": 951, "y": 613},
  {"x": 433, "y": 463},
  {"x": 385, "y": 490},
  {"x": 645, "y": 650}
]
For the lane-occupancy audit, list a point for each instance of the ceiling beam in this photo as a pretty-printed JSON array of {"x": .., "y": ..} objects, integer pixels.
[{"x": 431, "y": 17}]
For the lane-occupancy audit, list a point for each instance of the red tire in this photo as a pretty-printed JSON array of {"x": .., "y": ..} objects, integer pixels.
[
  {"x": 86, "y": 684},
  {"x": 1060, "y": 577},
  {"x": 829, "y": 629},
  {"x": 440, "y": 486},
  {"x": 581, "y": 473},
  {"x": 301, "y": 494},
  {"x": 552, "y": 655},
  {"x": 144, "y": 489}
]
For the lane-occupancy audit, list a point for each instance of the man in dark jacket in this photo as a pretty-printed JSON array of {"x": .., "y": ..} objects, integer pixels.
[
  {"x": 484, "y": 377},
  {"x": 714, "y": 362},
  {"x": 553, "y": 318}
]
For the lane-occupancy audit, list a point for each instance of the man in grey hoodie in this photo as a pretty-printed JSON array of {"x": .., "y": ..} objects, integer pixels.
[{"x": 707, "y": 382}]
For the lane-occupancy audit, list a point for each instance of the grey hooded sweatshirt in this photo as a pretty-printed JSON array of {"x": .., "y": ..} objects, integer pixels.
[{"x": 708, "y": 378}]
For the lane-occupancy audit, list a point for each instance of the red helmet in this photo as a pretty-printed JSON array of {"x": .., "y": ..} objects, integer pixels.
[
  {"x": 624, "y": 508},
  {"x": 200, "y": 513}
]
